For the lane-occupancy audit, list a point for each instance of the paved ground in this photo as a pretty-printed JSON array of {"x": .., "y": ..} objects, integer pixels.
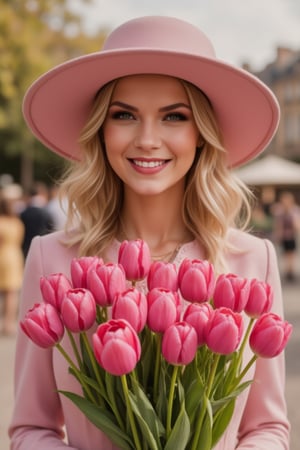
[{"x": 292, "y": 313}]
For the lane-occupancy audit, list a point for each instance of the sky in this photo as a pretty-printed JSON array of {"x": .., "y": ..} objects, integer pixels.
[{"x": 241, "y": 30}]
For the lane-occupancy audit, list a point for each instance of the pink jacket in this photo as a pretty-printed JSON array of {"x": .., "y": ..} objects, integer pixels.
[{"x": 41, "y": 415}]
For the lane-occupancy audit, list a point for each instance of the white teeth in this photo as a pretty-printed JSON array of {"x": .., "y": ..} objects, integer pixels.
[{"x": 148, "y": 163}]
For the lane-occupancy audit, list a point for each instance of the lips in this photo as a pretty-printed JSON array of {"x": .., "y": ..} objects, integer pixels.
[{"x": 148, "y": 166}]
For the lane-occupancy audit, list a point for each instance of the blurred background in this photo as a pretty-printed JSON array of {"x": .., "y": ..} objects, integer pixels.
[
  {"x": 261, "y": 36},
  {"x": 35, "y": 35}
]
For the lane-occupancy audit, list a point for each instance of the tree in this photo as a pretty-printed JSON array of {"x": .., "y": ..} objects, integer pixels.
[{"x": 35, "y": 35}]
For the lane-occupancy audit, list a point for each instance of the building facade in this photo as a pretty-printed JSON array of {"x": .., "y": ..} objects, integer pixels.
[{"x": 283, "y": 77}]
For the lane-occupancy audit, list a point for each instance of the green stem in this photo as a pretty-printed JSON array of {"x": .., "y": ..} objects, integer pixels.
[
  {"x": 244, "y": 342},
  {"x": 170, "y": 401},
  {"x": 157, "y": 366},
  {"x": 75, "y": 349},
  {"x": 98, "y": 314},
  {"x": 78, "y": 373},
  {"x": 206, "y": 396},
  {"x": 113, "y": 404},
  {"x": 212, "y": 374},
  {"x": 236, "y": 363},
  {"x": 245, "y": 370},
  {"x": 95, "y": 367},
  {"x": 134, "y": 376},
  {"x": 104, "y": 314},
  {"x": 130, "y": 413},
  {"x": 101, "y": 314}
]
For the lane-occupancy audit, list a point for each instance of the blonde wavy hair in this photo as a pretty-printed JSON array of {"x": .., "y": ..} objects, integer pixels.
[{"x": 213, "y": 201}]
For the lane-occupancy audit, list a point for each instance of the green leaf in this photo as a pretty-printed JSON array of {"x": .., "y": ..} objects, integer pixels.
[
  {"x": 147, "y": 410},
  {"x": 162, "y": 400},
  {"x": 102, "y": 419},
  {"x": 114, "y": 399},
  {"x": 113, "y": 391},
  {"x": 232, "y": 395},
  {"x": 205, "y": 438},
  {"x": 85, "y": 356},
  {"x": 145, "y": 425},
  {"x": 188, "y": 375},
  {"x": 93, "y": 383},
  {"x": 145, "y": 366},
  {"x": 194, "y": 397},
  {"x": 222, "y": 421},
  {"x": 180, "y": 433},
  {"x": 89, "y": 381}
]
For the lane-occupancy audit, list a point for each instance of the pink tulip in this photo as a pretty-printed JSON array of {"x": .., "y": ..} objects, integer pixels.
[
  {"x": 43, "y": 325},
  {"x": 54, "y": 288},
  {"x": 196, "y": 280},
  {"x": 105, "y": 281},
  {"x": 135, "y": 257},
  {"x": 224, "y": 331},
  {"x": 197, "y": 315},
  {"x": 78, "y": 310},
  {"x": 269, "y": 335},
  {"x": 179, "y": 343},
  {"x": 162, "y": 275},
  {"x": 80, "y": 267},
  {"x": 164, "y": 309},
  {"x": 117, "y": 347},
  {"x": 131, "y": 305},
  {"x": 231, "y": 292},
  {"x": 260, "y": 299}
]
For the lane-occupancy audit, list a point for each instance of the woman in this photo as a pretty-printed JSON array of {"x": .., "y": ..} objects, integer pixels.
[
  {"x": 286, "y": 214},
  {"x": 162, "y": 124},
  {"x": 11, "y": 263}
]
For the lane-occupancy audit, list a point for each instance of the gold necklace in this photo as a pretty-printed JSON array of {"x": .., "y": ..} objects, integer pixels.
[{"x": 167, "y": 257}]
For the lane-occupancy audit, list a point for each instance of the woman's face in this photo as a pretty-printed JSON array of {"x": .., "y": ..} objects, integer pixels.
[{"x": 150, "y": 134}]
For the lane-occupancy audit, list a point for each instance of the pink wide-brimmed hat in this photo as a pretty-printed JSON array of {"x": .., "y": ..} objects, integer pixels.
[{"x": 57, "y": 105}]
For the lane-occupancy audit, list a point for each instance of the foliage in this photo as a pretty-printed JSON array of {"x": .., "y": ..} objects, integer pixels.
[{"x": 34, "y": 36}]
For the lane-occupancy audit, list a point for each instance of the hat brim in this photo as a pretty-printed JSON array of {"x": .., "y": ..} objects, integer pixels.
[{"x": 57, "y": 105}]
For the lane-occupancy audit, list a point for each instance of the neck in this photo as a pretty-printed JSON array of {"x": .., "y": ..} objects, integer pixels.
[{"x": 157, "y": 220}]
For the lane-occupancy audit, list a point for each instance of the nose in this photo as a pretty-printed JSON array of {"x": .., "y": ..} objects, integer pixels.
[{"x": 147, "y": 137}]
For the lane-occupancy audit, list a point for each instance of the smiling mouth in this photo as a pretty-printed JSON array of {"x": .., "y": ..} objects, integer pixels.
[{"x": 148, "y": 164}]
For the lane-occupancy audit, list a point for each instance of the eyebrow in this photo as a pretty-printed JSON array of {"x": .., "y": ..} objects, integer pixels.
[{"x": 163, "y": 109}]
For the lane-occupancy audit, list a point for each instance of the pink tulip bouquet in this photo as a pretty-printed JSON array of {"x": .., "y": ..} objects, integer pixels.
[{"x": 157, "y": 350}]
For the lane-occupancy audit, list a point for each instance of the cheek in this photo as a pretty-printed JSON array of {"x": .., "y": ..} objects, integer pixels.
[
  {"x": 185, "y": 141},
  {"x": 115, "y": 142},
  {"x": 185, "y": 150},
  {"x": 112, "y": 140}
]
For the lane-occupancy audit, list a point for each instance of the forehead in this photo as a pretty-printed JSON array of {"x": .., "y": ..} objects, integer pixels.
[{"x": 148, "y": 85}]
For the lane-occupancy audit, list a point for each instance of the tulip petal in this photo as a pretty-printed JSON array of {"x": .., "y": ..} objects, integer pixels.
[
  {"x": 118, "y": 358},
  {"x": 38, "y": 335}
]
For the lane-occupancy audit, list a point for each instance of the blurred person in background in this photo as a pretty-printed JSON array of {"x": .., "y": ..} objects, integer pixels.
[
  {"x": 11, "y": 263},
  {"x": 261, "y": 222},
  {"x": 267, "y": 200},
  {"x": 286, "y": 229},
  {"x": 57, "y": 208},
  {"x": 36, "y": 218}
]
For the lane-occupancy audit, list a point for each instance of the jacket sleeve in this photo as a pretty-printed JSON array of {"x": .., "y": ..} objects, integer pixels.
[
  {"x": 264, "y": 424},
  {"x": 37, "y": 421}
]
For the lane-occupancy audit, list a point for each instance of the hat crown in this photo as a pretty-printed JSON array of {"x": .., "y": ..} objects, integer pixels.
[
  {"x": 58, "y": 104},
  {"x": 160, "y": 33}
]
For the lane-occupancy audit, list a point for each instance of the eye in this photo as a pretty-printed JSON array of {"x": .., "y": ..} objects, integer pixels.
[
  {"x": 122, "y": 115},
  {"x": 175, "y": 117}
]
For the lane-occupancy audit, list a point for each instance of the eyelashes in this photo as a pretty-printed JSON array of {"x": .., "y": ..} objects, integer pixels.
[
  {"x": 169, "y": 117},
  {"x": 122, "y": 115},
  {"x": 175, "y": 117}
]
